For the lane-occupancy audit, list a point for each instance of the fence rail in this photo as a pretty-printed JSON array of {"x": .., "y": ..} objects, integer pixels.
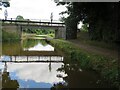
[{"x": 29, "y": 22}]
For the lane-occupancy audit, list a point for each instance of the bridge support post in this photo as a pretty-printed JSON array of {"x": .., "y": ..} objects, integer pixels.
[{"x": 60, "y": 33}]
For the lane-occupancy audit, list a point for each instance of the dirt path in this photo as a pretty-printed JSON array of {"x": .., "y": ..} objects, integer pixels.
[{"x": 95, "y": 49}]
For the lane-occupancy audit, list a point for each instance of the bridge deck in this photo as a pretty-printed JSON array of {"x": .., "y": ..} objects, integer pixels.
[
  {"x": 30, "y": 59},
  {"x": 33, "y": 61},
  {"x": 33, "y": 23}
]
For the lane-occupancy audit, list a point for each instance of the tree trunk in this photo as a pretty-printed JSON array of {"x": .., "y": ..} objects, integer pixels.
[{"x": 71, "y": 30}]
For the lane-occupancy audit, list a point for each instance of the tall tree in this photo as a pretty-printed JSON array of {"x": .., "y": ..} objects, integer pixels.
[
  {"x": 99, "y": 16},
  {"x": 5, "y": 3}
]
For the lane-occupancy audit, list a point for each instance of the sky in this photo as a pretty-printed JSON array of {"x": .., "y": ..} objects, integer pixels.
[
  {"x": 33, "y": 9},
  {"x": 35, "y": 72}
]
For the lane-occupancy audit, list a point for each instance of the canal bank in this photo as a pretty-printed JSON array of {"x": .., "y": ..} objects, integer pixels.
[{"x": 106, "y": 67}]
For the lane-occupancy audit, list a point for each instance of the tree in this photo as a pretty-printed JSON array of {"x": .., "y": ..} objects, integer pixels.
[
  {"x": 19, "y": 17},
  {"x": 62, "y": 19},
  {"x": 5, "y": 3},
  {"x": 99, "y": 16}
]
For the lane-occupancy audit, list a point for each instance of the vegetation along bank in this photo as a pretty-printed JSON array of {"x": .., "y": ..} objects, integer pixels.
[{"x": 105, "y": 66}]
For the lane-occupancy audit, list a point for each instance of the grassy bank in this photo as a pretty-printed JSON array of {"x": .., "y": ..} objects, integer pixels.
[
  {"x": 9, "y": 37},
  {"x": 106, "y": 67}
]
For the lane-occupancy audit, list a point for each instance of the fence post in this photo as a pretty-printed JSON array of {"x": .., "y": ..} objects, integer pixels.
[
  {"x": 40, "y": 22},
  {"x": 11, "y": 20}
]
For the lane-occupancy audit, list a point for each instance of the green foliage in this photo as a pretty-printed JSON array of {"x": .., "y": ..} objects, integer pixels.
[
  {"x": 51, "y": 35},
  {"x": 111, "y": 74},
  {"x": 6, "y": 4},
  {"x": 48, "y": 32},
  {"x": 28, "y": 43},
  {"x": 62, "y": 19},
  {"x": 101, "y": 26},
  {"x": 106, "y": 67},
  {"x": 19, "y": 17},
  {"x": 84, "y": 27}
]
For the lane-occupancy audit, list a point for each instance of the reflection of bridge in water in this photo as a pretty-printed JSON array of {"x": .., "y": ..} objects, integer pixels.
[
  {"x": 7, "y": 82},
  {"x": 31, "y": 59}
]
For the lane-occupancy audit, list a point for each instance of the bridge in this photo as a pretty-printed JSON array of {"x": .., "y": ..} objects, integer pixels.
[
  {"x": 17, "y": 26},
  {"x": 32, "y": 59}
]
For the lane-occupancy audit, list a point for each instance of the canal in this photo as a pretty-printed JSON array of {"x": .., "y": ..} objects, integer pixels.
[{"x": 37, "y": 64}]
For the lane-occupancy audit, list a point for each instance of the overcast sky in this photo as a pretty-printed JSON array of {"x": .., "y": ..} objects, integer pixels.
[{"x": 33, "y": 9}]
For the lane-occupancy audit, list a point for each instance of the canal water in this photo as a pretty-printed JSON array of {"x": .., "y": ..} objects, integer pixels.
[{"x": 37, "y": 64}]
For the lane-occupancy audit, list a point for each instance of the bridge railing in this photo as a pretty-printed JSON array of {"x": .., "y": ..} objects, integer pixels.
[
  {"x": 32, "y": 59},
  {"x": 39, "y": 20},
  {"x": 33, "y": 22}
]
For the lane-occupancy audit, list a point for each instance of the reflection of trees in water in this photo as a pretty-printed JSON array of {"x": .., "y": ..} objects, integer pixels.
[
  {"x": 59, "y": 86},
  {"x": 50, "y": 68},
  {"x": 68, "y": 69},
  {"x": 6, "y": 80},
  {"x": 28, "y": 43},
  {"x": 76, "y": 77},
  {"x": 71, "y": 70},
  {"x": 39, "y": 31}
]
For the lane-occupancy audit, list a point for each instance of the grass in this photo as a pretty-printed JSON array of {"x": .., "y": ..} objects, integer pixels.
[{"x": 106, "y": 67}]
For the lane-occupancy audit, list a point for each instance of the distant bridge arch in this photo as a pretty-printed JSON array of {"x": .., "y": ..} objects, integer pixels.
[{"x": 17, "y": 27}]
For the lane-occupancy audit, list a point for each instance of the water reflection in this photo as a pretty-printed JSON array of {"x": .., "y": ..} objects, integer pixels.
[
  {"x": 36, "y": 67},
  {"x": 77, "y": 78},
  {"x": 42, "y": 69},
  {"x": 32, "y": 75},
  {"x": 7, "y": 82},
  {"x": 36, "y": 45},
  {"x": 24, "y": 49},
  {"x": 31, "y": 59},
  {"x": 40, "y": 47}
]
